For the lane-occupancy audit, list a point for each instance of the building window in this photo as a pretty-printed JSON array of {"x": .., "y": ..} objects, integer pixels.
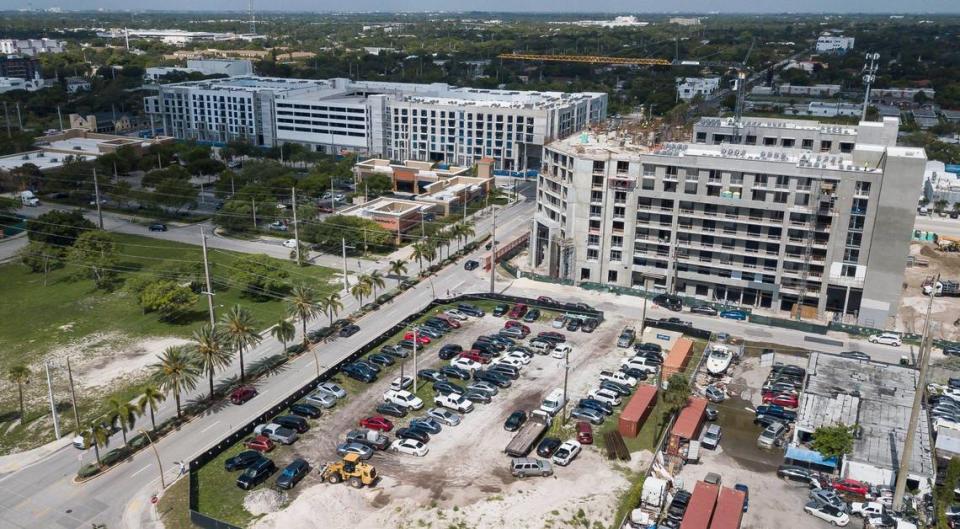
[
  {"x": 788, "y": 142},
  {"x": 825, "y": 146},
  {"x": 596, "y": 196},
  {"x": 807, "y": 144},
  {"x": 593, "y": 240},
  {"x": 623, "y": 167},
  {"x": 751, "y": 139},
  {"x": 851, "y": 255},
  {"x": 648, "y": 184},
  {"x": 596, "y": 211},
  {"x": 690, "y": 188},
  {"x": 584, "y": 274},
  {"x": 701, "y": 137},
  {"x": 769, "y": 141},
  {"x": 846, "y": 146},
  {"x": 648, "y": 170},
  {"x": 593, "y": 254},
  {"x": 598, "y": 167},
  {"x": 612, "y": 276},
  {"x": 863, "y": 188}
]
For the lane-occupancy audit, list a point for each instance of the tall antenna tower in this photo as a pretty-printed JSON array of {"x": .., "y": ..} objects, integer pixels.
[
  {"x": 253, "y": 18},
  {"x": 869, "y": 76}
]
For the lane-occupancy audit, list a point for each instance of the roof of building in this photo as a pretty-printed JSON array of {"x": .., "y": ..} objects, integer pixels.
[
  {"x": 886, "y": 393},
  {"x": 42, "y": 159},
  {"x": 385, "y": 206},
  {"x": 948, "y": 443},
  {"x": 826, "y": 410}
]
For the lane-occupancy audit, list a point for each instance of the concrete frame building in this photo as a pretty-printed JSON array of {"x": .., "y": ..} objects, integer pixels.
[
  {"x": 834, "y": 44},
  {"x": 690, "y": 87},
  {"x": 31, "y": 47},
  {"x": 769, "y": 213},
  {"x": 228, "y": 67},
  {"x": 399, "y": 121}
]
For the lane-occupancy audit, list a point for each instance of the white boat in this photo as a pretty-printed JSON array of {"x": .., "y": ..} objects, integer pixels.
[{"x": 719, "y": 360}]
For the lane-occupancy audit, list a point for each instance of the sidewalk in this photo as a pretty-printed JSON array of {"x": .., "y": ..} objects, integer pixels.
[{"x": 20, "y": 460}]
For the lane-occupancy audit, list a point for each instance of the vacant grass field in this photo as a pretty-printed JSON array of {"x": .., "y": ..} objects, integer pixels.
[{"x": 98, "y": 330}]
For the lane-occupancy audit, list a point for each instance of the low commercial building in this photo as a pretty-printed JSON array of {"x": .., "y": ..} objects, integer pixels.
[
  {"x": 816, "y": 90},
  {"x": 55, "y": 150},
  {"x": 228, "y": 67},
  {"x": 690, "y": 87},
  {"x": 21, "y": 67},
  {"x": 410, "y": 176},
  {"x": 900, "y": 95},
  {"x": 877, "y": 399},
  {"x": 77, "y": 84},
  {"x": 9, "y": 84},
  {"x": 834, "y": 44},
  {"x": 394, "y": 215},
  {"x": 826, "y": 109},
  {"x": 451, "y": 194},
  {"x": 105, "y": 122},
  {"x": 940, "y": 184}
]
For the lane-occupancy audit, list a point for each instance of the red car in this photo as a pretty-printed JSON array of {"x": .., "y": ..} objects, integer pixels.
[
  {"x": 584, "y": 433},
  {"x": 787, "y": 401},
  {"x": 377, "y": 423},
  {"x": 260, "y": 443},
  {"x": 475, "y": 355},
  {"x": 852, "y": 486},
  {"x": 243, "y": 394},
  {"x": 421, "y": 339},
  {"x": 512, "y": 323},
  {"x": 517, "y": 311}
]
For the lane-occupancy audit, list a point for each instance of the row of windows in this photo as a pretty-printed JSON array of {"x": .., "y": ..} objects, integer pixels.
[
  {"x": 322, "y": 107},
  {"x": 321, "y": 123},
  {"x": 321, "y": 131}
]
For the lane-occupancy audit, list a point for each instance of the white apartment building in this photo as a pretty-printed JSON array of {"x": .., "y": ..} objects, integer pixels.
[
  {"x": 768, "y": 213},
  {"x": 690, "y": 87},
  {"x": 834, "y": 44},
  {"x": 400, "y": 121},
  {"x": 31, "y": 47}
]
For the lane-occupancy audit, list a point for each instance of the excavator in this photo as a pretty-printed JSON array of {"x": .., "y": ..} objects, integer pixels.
[{"x": 350, "y": 469}]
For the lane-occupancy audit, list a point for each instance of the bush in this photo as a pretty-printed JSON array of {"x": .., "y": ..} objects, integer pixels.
[
  {"x": 114, "y": 456},
  {"x": 137, "y": 442},
  {"x": 296, "y": 349},
  {"x": 88, "y": 470}
]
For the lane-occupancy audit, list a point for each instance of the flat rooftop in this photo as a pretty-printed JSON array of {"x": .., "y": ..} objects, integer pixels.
[
  {"x": 42, "y": 159},
  {"x": 885, "y": 393},
  {"x": 774, "y": 123}
]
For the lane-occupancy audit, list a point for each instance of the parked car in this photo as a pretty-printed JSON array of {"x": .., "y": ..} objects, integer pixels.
[
  {"x": 559, "y": 322},
  {"x": 627, "y": 335},
  {"x": 242, "y": 460},
  {"x": 403, "y": 382},
  {"x": 500, "y": 310},
  {"x": 781, "y": 399},
  {"x": 852, "y": 486},
  {"x": 409, "y": 446},
  {"x": 387, "y": 408},
  {"x": 413, "y": 433},
  {"x": 293, "y": 473},
  {"x": 357, "y": 373},
  {"x": 455, "y": 314},
  {"x": 468, "y": 363},
  {"x": 322, "y": 399},
  {"x": 566, "y": 453},
  {"x": 444, "y": 416},
  {"x": 515, "y": 421},
  {"x": 349, "y": 330},
  {"x": 517, "y": 311},
  {"x": 452, "y": 371},
  {"x": 454, "y": 402},
  {"x": 532, "y": 315},
  {"x": 494, "y": 378},
  {"x": 427, "y": 424},
  {"x": 606, "y": 396},
  {"x": 573, "y": 324},
  {"x": 887, "y": 338},
  {"x": 827, "y": 513},
  {"x": 856, "y": 355},
  {"x": 734, "y": 314},
  {"x": 829, "y": 497},
  {"x": 471, "y": 265},
  {"x": 256, "y": 474},
  {"x": 333, "y": 388},
  {"x": 584, "y": 433},
  {"x": 587, "y": 414},
  {"x": 589, "y": 325},
  {"x": 381, "y": 424},
  {"x": 477, "y": 397},
  {"x": 431, "y": 375},
  {"x": 795, "y": 473},
  {"x": 552, "y": 336},
  {"x": 403, "y": 398},
  {"x": 706, "y": 310},
  {"x": 362, "y": 450},
  {"x": 446, "y": 388},
  {"x": 381, "y": 359},
  {"x": 293, "y": 422},
  {"x": 242, "y": 394},
  {"x": 449, "y": 351},
  {"x": 158, "y": 227},
  {"x": 522, "y": 467},
  {"x": 421, "y": 338},
  {"x": 595, "y": 404},
  {"x": 276, "y": 433},
  {"x": 483, "y": 387},
  {"x": 305, "y": 410},
  {"x": 260, "y": 443},
  {"x": 561, "y": 351},
  {"x": 669, "y": 302},
  {"x": 471, "y": 310},
  {"x": 513, "y": 332},
  {"x": 711, "y": 437}
]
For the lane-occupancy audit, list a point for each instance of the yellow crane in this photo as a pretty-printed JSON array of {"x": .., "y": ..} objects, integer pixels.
[{"x": 591, "y": 59}]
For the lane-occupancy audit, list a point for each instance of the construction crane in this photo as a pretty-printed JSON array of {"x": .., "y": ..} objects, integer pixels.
[{"x": 593, "y": 59}]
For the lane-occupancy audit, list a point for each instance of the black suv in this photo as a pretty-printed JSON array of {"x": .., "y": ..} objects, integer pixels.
[
  {"x": 501, "y": 309},
  {"x": 471, "y": 310},
  {"x": 292, "y": 474},
  {"x": 349, "y": 330},
  {"x": 669, "y": 302},
  {"x": 293, "y": 422},
  {"x": 242, "y": 460},
  {"x": 256, "y": 474},
  {"x": 449, "y": 351}
]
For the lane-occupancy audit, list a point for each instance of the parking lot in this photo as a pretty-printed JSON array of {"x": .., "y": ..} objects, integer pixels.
[{"x": 466, "y": 475}]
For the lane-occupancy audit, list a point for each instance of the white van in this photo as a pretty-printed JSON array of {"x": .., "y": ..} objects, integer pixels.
[{"x": 554, "y": 402}]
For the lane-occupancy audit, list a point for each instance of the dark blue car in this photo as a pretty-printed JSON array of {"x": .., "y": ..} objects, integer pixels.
[{"x": 734, "y": 314}]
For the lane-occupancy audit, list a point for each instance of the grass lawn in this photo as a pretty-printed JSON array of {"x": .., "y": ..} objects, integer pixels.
[
  {"x": 174, "y": 506},
  {"x": 36, "y": 320}
]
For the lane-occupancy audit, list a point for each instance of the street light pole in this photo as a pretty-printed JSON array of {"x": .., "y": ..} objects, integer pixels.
[
  {"x": 566, "y": 371},
  {"x": 414, "y": 360},
  {"x": 163, "y": 483}
]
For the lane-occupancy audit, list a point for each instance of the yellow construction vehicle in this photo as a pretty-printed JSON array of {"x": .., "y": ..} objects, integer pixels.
[{"x": 352, "y": 470}]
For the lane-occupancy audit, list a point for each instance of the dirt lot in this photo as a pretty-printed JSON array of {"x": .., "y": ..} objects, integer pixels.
[
  {"x": 464, "y": 481},
  {"x": 738, "y": 459},
  {"x": 913, "y": 307}
]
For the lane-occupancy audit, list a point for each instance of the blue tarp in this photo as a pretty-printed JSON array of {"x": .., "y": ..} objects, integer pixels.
[
  {"x": 802, "y": 456},
  {"x": 950, "y": 168}
]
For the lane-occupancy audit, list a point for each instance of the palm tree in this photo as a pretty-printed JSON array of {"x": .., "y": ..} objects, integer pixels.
[
  {"x": 176, "y": 371},
  {"x": 151, "y": 398},
  {"x": 376, "y": 281},
  {"x": 398, "y": 268},
  {"x": 456, "y": 232},
  {"x": 440, "y": 239},
  {"x": 96, "y": 435},
  {"x": 19, "y": 375},
  {"x": 332, "y": 305},
  {"x": 360, "y": 289},
  {"x": 302, "y": 305},
  {"x": 123, "y": 413},
  {"x": 211, "y": 351},
  {"x": 431, "y": 252},
  {"x": 466, "y": 231},
  {"x": 240, "y": 332},
  {"x": 419, "y": 253},
  {"x": 284, "y": 331}
]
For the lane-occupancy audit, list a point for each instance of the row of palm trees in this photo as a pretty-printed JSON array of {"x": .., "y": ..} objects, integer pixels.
[{"x": 432, "y": 248}]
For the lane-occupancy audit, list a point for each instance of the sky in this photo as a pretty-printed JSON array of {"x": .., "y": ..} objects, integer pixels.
[{"x": 623, "y": 6}]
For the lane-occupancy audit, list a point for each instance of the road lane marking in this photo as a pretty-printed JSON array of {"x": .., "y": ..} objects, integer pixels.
[
  {"x": 141, "y": 470},
  {"x": 211, "y": 426}
]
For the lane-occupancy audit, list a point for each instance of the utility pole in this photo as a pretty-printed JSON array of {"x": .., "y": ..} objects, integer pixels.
[
  {"x": 414, "y": 360},
  {"x": 907, "y": 453},
  {"x": 53, "y": 404},
  {"x": 253, "y": 206},
  {"x": 19, "y": 118},
  {"x": 60, "y": 117},
  {"x": 96, "y": 197},
  {"x": 643, "y": 315},
  {"x": 6, "y": 117},
  {"x": 296, "y": 231},
  {"x": 206, "y": 273},
  {"x": 346, "y": 284},
  {"x": 493, "y": 251},
  {"x": 566, "y": 371},
  {"x": 73, "y": 395}
]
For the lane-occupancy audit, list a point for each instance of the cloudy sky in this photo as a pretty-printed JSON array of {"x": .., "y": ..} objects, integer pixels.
[{"x": 634, "y": 6}]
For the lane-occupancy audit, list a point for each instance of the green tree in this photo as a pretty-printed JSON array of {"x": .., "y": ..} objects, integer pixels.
[
  {"x": 940, "y": 205},
  {"x": 375, "y": 279},
  {"x": 361, "y": 288},
  {"x": 96, "y": 435},
  {"x": 94, "y": 254},
  {"x": 677, "y": 393},
  {"x": 376, "y": 184},
  {"x": 302, "y": 305},
  {"x": 206, "y": 166},
  {"x": 168, "y": 298},
  {"x": 284, "y": 331},
  {"x": 398, "y": 267},
  {"x": 332, "y": 305},
  {"x": 177, "y": 371},
  {"x": 211, "y": 352},
  {"x": 122, "y": 413},
  {"x": 833, "y": 441},
  {"x": 173, "y": 193},
  {"x": 59, "y": 228},
  {"x": 41, "y": 258},
  {"x": 240, "y": 331},
  {"x": 19, "y": 374},
  {"x": 261, "y": 277},
  {"x": 329, "y": 233},
  {"x": 150, "y": 398},
  {"x": 420, "y": 252}
]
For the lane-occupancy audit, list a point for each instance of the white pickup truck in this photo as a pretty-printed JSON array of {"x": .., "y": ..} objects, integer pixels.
[
  {"x": 403, "y": 398},
  {"x": 276, "y": 433},
  {"x": 454, "y": 402}
]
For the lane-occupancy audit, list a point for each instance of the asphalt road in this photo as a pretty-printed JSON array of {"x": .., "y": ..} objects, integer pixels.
[{"x": 940, "y": 225}]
